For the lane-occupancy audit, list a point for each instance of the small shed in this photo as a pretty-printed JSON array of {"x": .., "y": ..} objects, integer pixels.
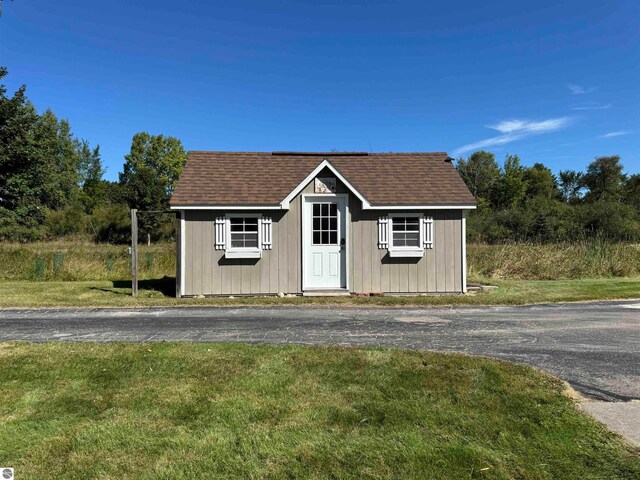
[{"x": 268, "y": 223}]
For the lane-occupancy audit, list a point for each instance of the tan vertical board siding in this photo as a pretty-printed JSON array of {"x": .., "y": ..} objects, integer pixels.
[
  {"x": 457, "y": 245},
  {"x": 450, "y": 262},
  {"x": 279, "y": 269},
  {"x": 440, "y": 250},
  {"x": 373, "y": 270}
]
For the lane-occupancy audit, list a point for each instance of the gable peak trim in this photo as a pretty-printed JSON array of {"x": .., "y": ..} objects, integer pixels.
[{"x": 324, "y": 164}]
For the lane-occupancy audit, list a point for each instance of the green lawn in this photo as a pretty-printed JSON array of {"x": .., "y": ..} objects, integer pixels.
[
  {"x": 113, "y": 294},
  {"x": 140, "y": 411}
]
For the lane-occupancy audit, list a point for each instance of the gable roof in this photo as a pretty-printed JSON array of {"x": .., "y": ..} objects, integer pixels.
[{"x": 266, "y": 179}]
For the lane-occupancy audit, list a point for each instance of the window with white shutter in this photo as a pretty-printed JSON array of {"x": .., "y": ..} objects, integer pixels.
[
  {"x": 243, "y": 235},
  {"x": 405, "y": 234}
]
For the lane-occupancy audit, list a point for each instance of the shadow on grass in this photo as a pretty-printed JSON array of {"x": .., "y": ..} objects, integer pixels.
[{"x": 165, "y": 285}]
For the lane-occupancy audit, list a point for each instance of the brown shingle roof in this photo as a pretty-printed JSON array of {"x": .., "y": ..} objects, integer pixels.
[{"x": 265, "y": 178}]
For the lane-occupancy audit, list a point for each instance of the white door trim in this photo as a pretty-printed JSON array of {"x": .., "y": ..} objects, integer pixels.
[{"x": 305, "y": 232}]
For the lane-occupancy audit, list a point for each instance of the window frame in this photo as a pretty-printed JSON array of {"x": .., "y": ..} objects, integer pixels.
[
  {"x": 404, "y": 251},
  {"x": 242, "y": 252}
]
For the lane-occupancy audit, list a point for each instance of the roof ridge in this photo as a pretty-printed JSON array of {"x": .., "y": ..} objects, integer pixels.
[{"x": 311, "y": 154}]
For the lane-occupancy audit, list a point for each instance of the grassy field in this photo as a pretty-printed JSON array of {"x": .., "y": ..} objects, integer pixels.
[
  {"x": 102, "y": 293},
  {"x": 144, "y": 411},
  {"x": 561, "y": 261},
  {"x": 66, "y": 273},
  {"x": 82, "y": 260}
]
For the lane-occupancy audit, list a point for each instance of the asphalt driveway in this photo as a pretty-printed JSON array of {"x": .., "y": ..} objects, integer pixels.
[{"x": 594, "y": 346}]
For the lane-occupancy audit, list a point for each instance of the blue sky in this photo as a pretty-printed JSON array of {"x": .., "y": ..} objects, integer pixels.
[{"x": 554, "y": 82}]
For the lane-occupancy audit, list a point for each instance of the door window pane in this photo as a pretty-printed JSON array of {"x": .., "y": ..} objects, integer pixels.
[{"x": 325, "y": 224}]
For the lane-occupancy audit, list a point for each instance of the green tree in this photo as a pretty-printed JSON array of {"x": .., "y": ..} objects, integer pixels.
[
  {"x": 39, "y": 165},
  {"x": 540, "y": 182},
  {"x": 481, "y": 173},
  {"x": 632, "y": 192},
  {"x": 571, "y": 184},
  {"x": 604, "y": 179},
  {"x": 150, "y": 173},
  {"x": 512, "y": 187},
  {"x": 94, "y": 188},
  {"x": 165, "y": 156}
]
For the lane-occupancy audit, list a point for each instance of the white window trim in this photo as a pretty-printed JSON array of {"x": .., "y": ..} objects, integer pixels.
[
  {"x": 242, "y": 252},
  {"x": 406, "y": 251}
]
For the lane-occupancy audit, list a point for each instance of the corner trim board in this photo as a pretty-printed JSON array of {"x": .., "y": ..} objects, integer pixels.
[
  {"x": 464, "y": 251},
  {"x": 183, "y": 250}
]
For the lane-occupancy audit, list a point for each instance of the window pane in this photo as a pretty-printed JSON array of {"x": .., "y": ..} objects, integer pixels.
[
  {"x": 251, "y": 225},
  {"x": 316, "y": 238},
  {"x": 412, "y": 239},
  {"x": 316, "y": 224},
  {"x": 235, "y": 227},
  {"x": 316, "y": 209},
  {"x": 398, "y": 224},
  {"x": 325, "y": 209},
  {"x": 334, "y": 210},
  {"x": 325, "y": 224},
  {"x": 251, "y": 241},
  {"x": 333, "y": 238},
  {"x": 237, "y": 242},
  {"x": 325, "y": 238},
  {"x": 413, "y": 227},
  {"x": 333, "y": 224},
  {"x": 399, "y": 240},
  {"x": 235, "y": 221}
]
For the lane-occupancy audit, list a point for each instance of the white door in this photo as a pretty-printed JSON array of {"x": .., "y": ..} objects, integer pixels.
[{"x": 324, "y": 242}]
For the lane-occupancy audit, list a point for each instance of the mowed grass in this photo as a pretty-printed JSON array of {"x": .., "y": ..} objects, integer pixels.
[
  {"x": 167, "y": 411},
  {"x": 160, "y": 293}
]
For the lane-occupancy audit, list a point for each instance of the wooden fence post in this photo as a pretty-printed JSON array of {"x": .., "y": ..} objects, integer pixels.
[{"x": 134, "y": 252}]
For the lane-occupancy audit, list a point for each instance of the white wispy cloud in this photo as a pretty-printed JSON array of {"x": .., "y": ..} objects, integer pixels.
[
  {"x": 591, "y": 106},
  {"x": 578, "y": 90},
  {"x": 618, "y": 133},
  {"x": 528, "y": 127},
  {"x": 513, "y": 130}
]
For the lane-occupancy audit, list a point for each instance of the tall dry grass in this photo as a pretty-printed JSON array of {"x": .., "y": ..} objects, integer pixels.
[
  {"x": 83, "y": 260},
  {"x": 529, "y": 261}
]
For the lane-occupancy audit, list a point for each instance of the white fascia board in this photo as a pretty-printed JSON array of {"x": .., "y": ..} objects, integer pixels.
[
  {"x": 226, "y": 207},
  {"x": 325, "y": 164},
  {"x": 420, "y": 207}
]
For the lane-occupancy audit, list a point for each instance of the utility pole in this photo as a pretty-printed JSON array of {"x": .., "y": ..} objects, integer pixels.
[{"x": 134, "y": 252}]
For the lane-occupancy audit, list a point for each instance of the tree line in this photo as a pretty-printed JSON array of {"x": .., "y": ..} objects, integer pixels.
[
  {"x": 52, "y": 186},
  {"x": 517, "y": 203}
]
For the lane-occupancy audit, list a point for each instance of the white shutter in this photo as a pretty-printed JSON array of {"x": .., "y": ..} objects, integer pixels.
[
  {"x": 220, "y": 231},
  {"x": 383, "y": 232},
  {"x": 266, "y": 227},
  {"x": 428, "y": 232}
]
